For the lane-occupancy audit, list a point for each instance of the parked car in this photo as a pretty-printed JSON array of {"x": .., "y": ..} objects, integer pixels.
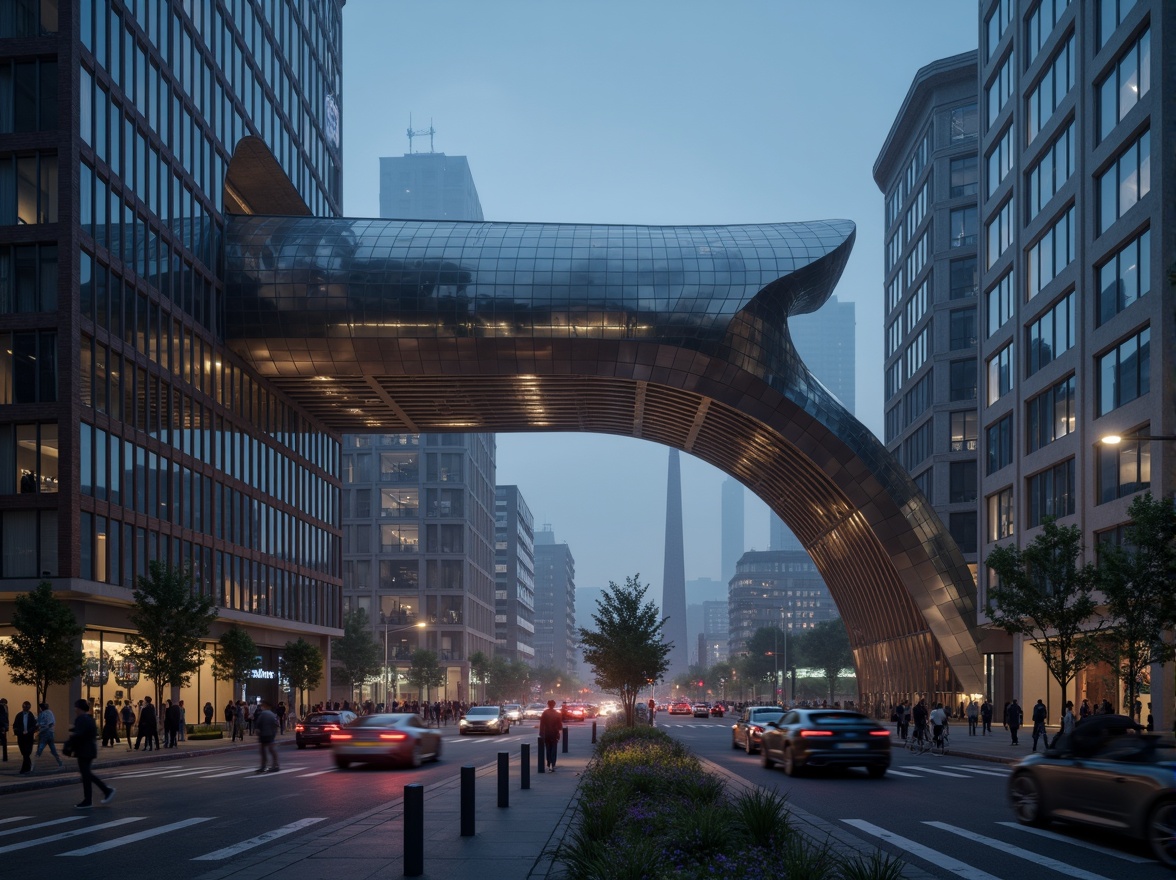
[
  {"x": 484, "y": 719},
  {"x": 718, "y": 710},
  {"x": 534, "y": 710},
  {"x": 1106, "y": 774},
  {"x": 806, "y": 738},
  {"x": 387, "y": 739},
  {"x": 317, "y": 728},
  {"x": 746, "y": 732},
  {"x": 702, "y": 710},
  {"x": 514, "y": 712},
  {"x": 681, "y": 708}
]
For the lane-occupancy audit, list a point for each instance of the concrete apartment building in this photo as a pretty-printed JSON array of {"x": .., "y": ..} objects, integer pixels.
[
  {"x": 556, "y": 636},
  {"x": 514, "y": 575}
]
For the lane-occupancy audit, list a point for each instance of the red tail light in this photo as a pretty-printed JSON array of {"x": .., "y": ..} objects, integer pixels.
[
  {"x": 330, "y": 727},
  {"x": 885, "y": 733},
  {"x": 394, "y": 737},
  {"x": 299, "y": 728},
  {"x": 805, "y": 733},
  {"x": 341, "y": 736}
]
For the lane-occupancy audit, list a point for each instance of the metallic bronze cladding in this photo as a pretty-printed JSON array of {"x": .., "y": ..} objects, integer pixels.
[{"x": 677, "y": 335}]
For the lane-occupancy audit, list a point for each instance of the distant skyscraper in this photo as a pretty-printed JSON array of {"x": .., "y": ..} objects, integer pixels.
[
  {"x": 555, "y": 603},
  {"x": 780, "y": 537},
  {"x": 825, "y": 340},
  {"x": 428, "y": 186},
  {"x": 731, "y": 530},
  {"x": 715, "y": 627},
  {"x": 514, "y": 577},
  {"x": 674, "y": 573},
  {"x": 780, "y": 588}
]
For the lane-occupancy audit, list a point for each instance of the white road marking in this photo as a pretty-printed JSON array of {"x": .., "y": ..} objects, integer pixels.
[
  {"x": 235, "y": 849},
  {"x": 943, "y": 773},
  {"x": 894, "y": 772},
  {"x": 25, "y": 844},
  {"x": 13, "y": 819},
  {"x": 135, "y": 838},
  {"x": 25, "y": 828},
  {"x": 319, "y": 772},
  {"x": 249, "y": 770},
  {"x": 1035, "y": 858},
  {"x": 910, "y": 847},
  {"x": 983, "y": 771},
  {"x": 1074, "y": 841}
]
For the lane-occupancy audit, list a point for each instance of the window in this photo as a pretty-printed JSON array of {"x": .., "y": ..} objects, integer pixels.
[
  {"x": 963, "y": 328},
  {"x": 963, "y": 530},
  {"x": 926, "y": 482},
  {"x": 1040, "y": 24},
  {"x": 1000, "y": 232},
  {"x": 917, "y": 447},
  {"x": 28, "y": 279},
  {"x": 1000, "y": 160},
  {"x": 1053, "y": 334},
  {"x": 965, "y": 224},
  {"x": 1125, "y": 372},
  {"x": 917, "y": 400},
  {"x": 963, "y": 278},
  {"x": 1000, "y": 515},
  {"x": 894, "y": 336},
  {"x": 998, "y": 443},
  {"x": 1050, "y": 415},
  {"x": 1111, "y": 14},
  {"x": 28, "y": 96},
  {"x": 917, "y": 258},
  {"x": 1127, "y": 82},
  {"x": 894, "y": 378},
  {"x": 28, "y": 189},
  {"x": 1123, "y": 184},
  {"x": 1122, "y": 279},
  {"x": 964, "y": 122},
  {"x": 963, "y": 380},
  {"x": 1050, "y": 254},
  {"x": 918, "y": 210},
  {"x": 963, "y": 479},
  {"x": 965, "y": 175},
  {"x": 1000, "y": 374},
  {"x": 1001, "y": 88},
  {"x": 1051, "y": 492},
  {"x": 1052, "y": 171},
  {"x": 1051, "y": 89},
  {"x": 917, "y": 306},
  {"x": 963, "y": 431},
  {"x": 916, "y": 353},
  {"x": 893, "y": 422},
  {"x": 28, "y": 367},
  {"x": 1000, "y": 302},
  {"x": 998, "y": 22},
  {"x": 1123, "y": 469}
]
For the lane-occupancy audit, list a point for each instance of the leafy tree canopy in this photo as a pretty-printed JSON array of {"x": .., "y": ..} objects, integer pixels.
[
  {"x": 425, "y": 672},
  {"x": 826, "y": 647},
  {"x": 236, "y": 658},
  {"x": 301, "y": 664},
  {"x": 626, "y": 651},
  {"x": 358, "y": 655},
  {"x": 480, "y": 669},
  {"x": 45, "y": 645}
]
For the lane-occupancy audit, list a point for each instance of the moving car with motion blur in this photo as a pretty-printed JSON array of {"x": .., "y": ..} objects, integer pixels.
[
  {"x": 484, "y": 719},
  {"x": 573, "y": 712},
  {"x": 317, "y": 728},
  {"x": 534, "y": 710},
  {"x": 746, "y": 732},
  {"x": 718, "y": 710},
  {"x": 1106, "y": 774},
  {"x": 681, "y": 707},
  {"x": 387, "y": 739},
  {"x": 702, "y": 710},
  {"x": 514, "y": 712},
  {"x": 810, "y": 738}
]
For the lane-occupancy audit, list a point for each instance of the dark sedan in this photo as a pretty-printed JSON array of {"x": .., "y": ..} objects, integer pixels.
[
  {"x": 387, "y": 739},
  {"x": 746, "y": 732},
  {"x": 1106, "y": 774},
  {"x": 806, "y": 738},
  {"x": 317, "y": 728}
]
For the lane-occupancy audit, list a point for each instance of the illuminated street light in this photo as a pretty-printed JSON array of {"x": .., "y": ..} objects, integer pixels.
[{"x": 1116, "y": 439}]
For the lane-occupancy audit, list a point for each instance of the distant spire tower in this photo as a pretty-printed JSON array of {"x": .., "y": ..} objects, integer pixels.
[{"x": 674, "y": 574}]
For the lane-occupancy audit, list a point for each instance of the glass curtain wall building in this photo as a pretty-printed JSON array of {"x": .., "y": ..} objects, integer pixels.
[
  {"x": 556, "y": 637},
  {"x": 128, "y": 432},
  {"x": 514, "y": 575}
]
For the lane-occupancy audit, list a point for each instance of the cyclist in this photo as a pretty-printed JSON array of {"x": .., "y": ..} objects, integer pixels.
[
  {"x": 938, "y": 724},
  {"x": 919, "y": 715}
]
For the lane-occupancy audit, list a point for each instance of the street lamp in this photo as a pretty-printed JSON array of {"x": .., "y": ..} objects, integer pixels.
[
  {"x": 1116, "y": 439},
  {"x": 387, "y": 631}
]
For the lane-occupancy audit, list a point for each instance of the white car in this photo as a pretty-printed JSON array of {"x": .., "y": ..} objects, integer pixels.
[
  {"x": 513, "y": 711},
  {"x": 534, "y": 710}
]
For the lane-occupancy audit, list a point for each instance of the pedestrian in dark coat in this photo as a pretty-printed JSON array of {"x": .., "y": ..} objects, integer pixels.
[
  {"x": 82, "y": 745},
  {"x": 1039, "y": 715},
  {"x": 171, "y": 724},
  {"x": 109, "y": 725},
  {"x": 1014, "y": 717},
  {"x": 985, "y": 718},
  {"x": 4, "y": 728},
  {"x": 128, "y": 721},
  {"x": 208, "y": 713},
  {"x": 148, "y": 725},
  {"x": 24, "y": 727},
  {"x": 550, "y": 728}
]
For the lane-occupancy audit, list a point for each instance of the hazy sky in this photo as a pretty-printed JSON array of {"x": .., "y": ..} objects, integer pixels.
[{"x": 649, "y": 112}]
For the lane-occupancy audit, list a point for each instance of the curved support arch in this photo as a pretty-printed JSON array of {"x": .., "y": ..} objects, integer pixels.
[{"x": 677, "y": 335}]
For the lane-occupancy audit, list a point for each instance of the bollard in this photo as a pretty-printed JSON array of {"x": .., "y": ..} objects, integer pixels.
[
  {"x": 542, "y": 755},
  {"x": 504, "y": 779},
  {"x": 594, "y": 731},
  {"x": 414, "y": 830},
  {"x": 525, "y": 766},
  {"x": 467, "y": 800},
  {"x": 565, "y": 741}
]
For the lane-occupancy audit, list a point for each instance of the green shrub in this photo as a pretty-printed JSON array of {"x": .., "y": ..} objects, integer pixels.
[
  {"x": 763, "y": 816},
  {"x": 876, "y": 866}
]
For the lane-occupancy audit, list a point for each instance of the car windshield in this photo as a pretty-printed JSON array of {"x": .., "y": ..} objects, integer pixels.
[
  {"x": 387, "y": 720},
  {"x": 763, "y": 716},
  {"x": 837, "y": 718},
  {"x": 323, "y": 719},
  {"x": 480, "y": 711}
]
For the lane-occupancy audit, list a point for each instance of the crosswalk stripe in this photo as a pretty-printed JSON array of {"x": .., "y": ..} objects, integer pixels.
[
  {"x": 25, "y": 828},
  {"x": 281, "y": 772},
  {"x": 319, "y": 772},
  {"x": 134, "y": 838},
  {"x": 1037, "y": 859},
  {"x": 235, "y": 849},
  {"x": 983, "y": 771},
  {"x": 943, "y": 773},
  {"x": 1073, "y": 841},
  {"x": 25, "y": 844},
  {"x": 894, "y": 772},
  {"x": 910, "y": 847},
  {"x": 13, "y": 819}
]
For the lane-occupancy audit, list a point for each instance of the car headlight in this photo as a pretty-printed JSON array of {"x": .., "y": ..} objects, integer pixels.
[
  {"x": 493, "y": 722},
  {"x": 462, "y": 723}
]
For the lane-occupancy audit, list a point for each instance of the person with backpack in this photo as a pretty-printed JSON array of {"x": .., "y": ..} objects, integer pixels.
[
  {"x": 1038, "y": 717},
  {"x": 128, "y": 722}
]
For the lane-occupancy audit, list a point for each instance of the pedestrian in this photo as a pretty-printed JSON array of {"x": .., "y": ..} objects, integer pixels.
[
  {"x": 4, "y": 728},
  {"x": 550, "y": 727},
  {"x": 171, "y": 724},
  {"x": 46, "y": 722},
  {"x": 1084, "y": 710},
  {"x": 281, "y": 713},
  {"x": 208, "y": 713},
  {"x": 1067, "y": 724},
  {"x": 973, "y": 713},
  {"x": 652, "y": 712},
  {"x": 128, "y": 720},
  {"x": 148, "y": 725},
  {"x": 1106, "y": 708},
  {"x": 1038, "y": 716},
  {"x": 985, "y": 718},
  {"x": 248, "y": 710},
  {"x": 239, "y": 721},
  {"x": 1151, "y": 721},
  {"x": 902, "y": 718},
  {"x": 183, "y": 728},
  {"x": 83, "y": 736},
  {"x": 109, "y": 725},
  {"x": 266, "y": 725},
  {"x": 24, "y": 727},
  {"x": 1013, "y": 718},
  {"x": 230, "y": 716}
]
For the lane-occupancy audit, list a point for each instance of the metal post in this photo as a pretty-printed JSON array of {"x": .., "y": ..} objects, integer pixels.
[
  {"x": 525, "y": 765},
  {"x": 593, "y": 731},
  {"x": 414, "y": 830},
  {"x": 542, "y": 750},
  {"x": 467, "y": 800},
  {"x": 504, "y": 779},
  {"x": 565, "y": 740}
]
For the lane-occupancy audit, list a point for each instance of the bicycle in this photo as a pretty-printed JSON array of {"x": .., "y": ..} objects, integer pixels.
[
  {"x": 917, "y": 742},
  {"x": 939, "y": 746}
]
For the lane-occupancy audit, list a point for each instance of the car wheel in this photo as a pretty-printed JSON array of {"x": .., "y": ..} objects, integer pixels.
[
  {"x": 342, "y": 763},
  {"x": 1025, "y": 795},
  {"x": 766, "y": 759},
  {"x": 415, "y": 760},
  {"x": 789, "y": 762},
  {"x": 876, "y": 771},
  {"x": 1161, "y": 832},
  {"x": 300, "y": 744}
]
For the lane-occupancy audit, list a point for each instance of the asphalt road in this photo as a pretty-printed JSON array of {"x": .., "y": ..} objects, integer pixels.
[
  {"x": 946, "y": 815},
  {"x": 197, "y": 814}
]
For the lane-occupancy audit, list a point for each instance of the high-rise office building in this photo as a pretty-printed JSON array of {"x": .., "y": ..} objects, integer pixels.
[
  {"x": 555, "y": 603},
  {"x": 826, "y": 341},
  {"x": 514, "y": 575},
  {"x": 716, "y": 626},
  {"x": 731, "y": 532},
  {"x": 775, "y": 588},
  {"x": 674, "y": 574},
  {"x": 428, "y": 186},
  {"x": 928, "y": 170},
  {"x": 131, "y": 432},
  {"x": 418, "y": 547}
]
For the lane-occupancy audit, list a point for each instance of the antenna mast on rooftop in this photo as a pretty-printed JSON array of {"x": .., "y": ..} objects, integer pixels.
[{"x": 430, "y": 131}]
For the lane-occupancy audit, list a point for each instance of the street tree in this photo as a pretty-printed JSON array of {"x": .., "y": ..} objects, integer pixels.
[
  {"x": 826, "y": 647},
  {"x": 1043, "y": 593},
  {"x": 625, "y": 650},
  {"x": 506, "y": 679},
  {"x": 301, "y": 664},
  {"x": 770, "y": 651},
  {"x": 235, "y": 658},
  {"x": 480, "y": 666},
  {"x": 425, "y": 672},
  {"x": 549, "y": 678},
  {"x": 1136, "y": 579},
  {"x": 358, "y": 654},
  {"x": 694, "y": 680},
  {"x": 170, "y": 622},
  {"x": 45, "y": 646}
]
